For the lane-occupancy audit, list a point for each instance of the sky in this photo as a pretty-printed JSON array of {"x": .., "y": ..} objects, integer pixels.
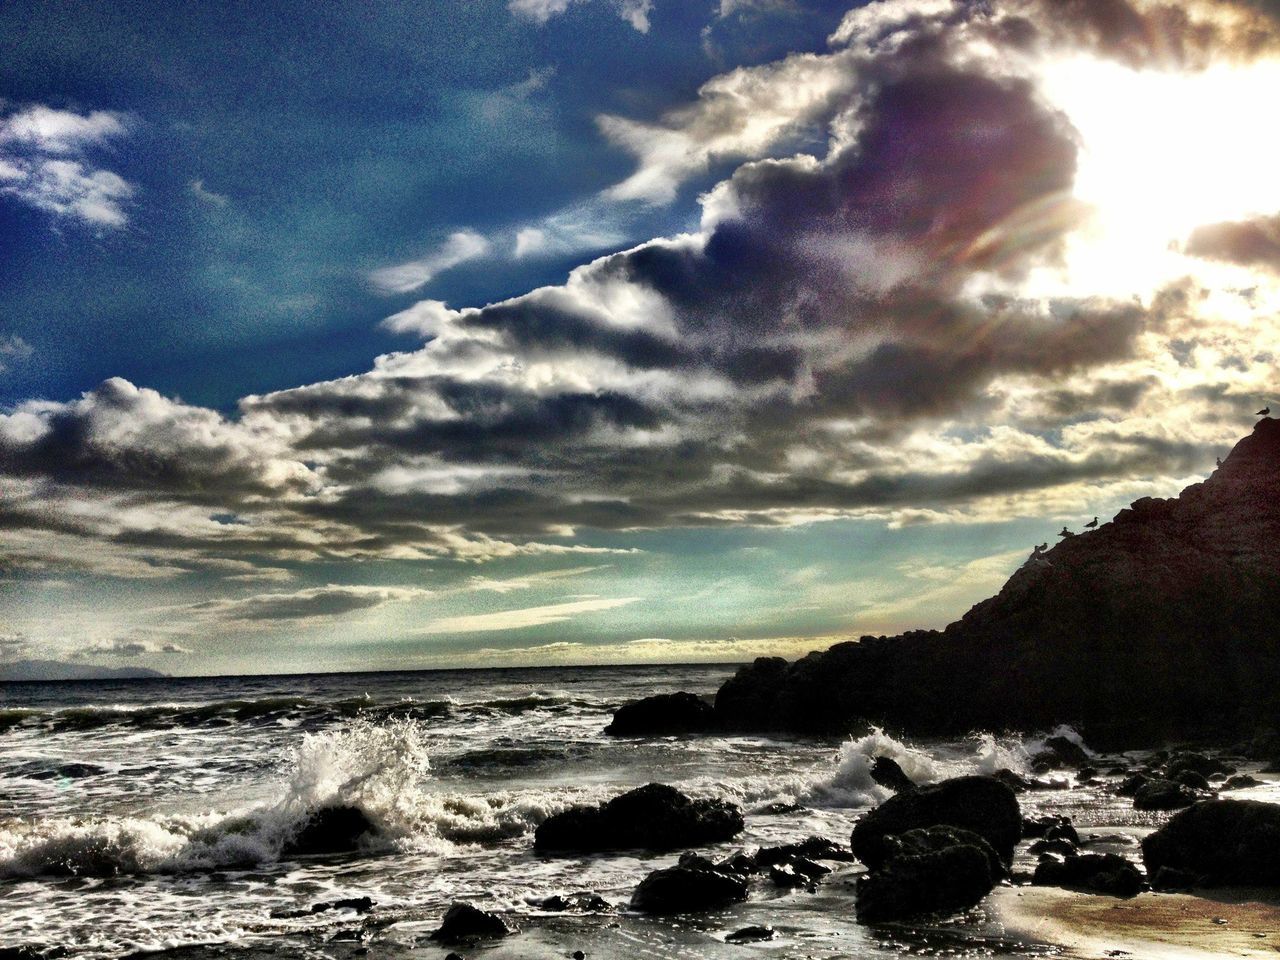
[{"x": 587, "y": 331}]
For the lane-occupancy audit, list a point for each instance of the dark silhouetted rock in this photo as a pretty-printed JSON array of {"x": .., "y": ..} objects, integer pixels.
[
  {"x": 583, "y": 902},
  {"x": 1189, "y": 778},
  {"x": 1196, "y": 763},
  {"x": 1163, "y": 795},
  {"x": 982, "y": 805},
  {"x": 1221, "y": 842},
  {"x": 1063, "y": 848},
  {"x": 814, "y": 848},
  {"x": 652, "y": 817},
  {"x": 662, "y": 715},
  {"x": 683, "y": 889},
  {"x": 1060, "y": 752},
  {"x": 331, "y": 830},
  {"x": 1159, "y": 624},
  {"x": 886, "y": 772},
  {"x": 938, "y": 870},
  {"x": 751, "y": 935},
  {"x": 464, "y": 923},
  {"x": 1096, "y": 872},
  {"x": 787, "y": 876},
  {"x": 1241, "y": 781}
]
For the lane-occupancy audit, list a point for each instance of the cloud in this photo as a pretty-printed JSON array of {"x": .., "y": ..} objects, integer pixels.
[
  {"x": 130, "y": 648},
  {"x": 205, "y": 195},
  {"x": 889, "y": 324},
  {"x": 1247, "y": 243},
  {"x": 634, "y": 12},
  {"x": 13, "y": 349},
  {"x": 461, "y": 246},
  {"x": 316, "y": 603},
  {"x": 44, "y": 164},
  {"x": 523, "y": 618}
]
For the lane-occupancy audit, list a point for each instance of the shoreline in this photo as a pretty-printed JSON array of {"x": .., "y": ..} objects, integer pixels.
[{"x": 1234, "y": 922}]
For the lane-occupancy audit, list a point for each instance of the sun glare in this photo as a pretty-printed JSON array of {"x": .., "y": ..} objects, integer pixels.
[{"x": 1163, "y": 152}]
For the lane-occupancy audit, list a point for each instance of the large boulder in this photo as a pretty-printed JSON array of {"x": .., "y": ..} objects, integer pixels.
[
  {"x": 887, "y": 772},
  {"x": 652, "y": 817},
  {"x": 1163, "y": 795},
  {"x": 331, "y": 830},
  {"x": 688, "y": 889},
  {"x": 1220, "y": 842},
  {"x": 662, "y": 715},
  {"x": 981, "y": 805},
  {"x": 1157, "y": 625},
  {"x": 935, "y": 870}
]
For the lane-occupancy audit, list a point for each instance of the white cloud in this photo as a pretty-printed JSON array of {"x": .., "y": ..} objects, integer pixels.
[
  {"x": 634, "y": 12},
  {"x": 204, "y": 194},
  {"x": 526, "y": 617},
  {"x": 463, "y": 245},
  {"x": 43, "y": 163},
  {"x": 13, "y": 348}
]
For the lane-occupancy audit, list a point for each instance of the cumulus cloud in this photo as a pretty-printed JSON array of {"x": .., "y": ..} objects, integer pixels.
[
  {"x": 45, "y": 162},
  {"x": 130, "y": 648},
  {"x": 859, "y": 329},
  {"x": 461, "y": 246}
]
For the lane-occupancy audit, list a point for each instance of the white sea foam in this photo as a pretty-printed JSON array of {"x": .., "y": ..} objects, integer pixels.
[{"x": 381, "y": 768}]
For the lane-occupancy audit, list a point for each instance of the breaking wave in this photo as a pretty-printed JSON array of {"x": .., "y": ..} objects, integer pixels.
[{"x": 380, "y": 768}]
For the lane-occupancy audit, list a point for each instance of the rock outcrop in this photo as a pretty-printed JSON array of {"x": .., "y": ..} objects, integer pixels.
[
  {"x": 1218, "y": 843},
  {"x": 652, "y": 817},
  {"x": 662, "y": 715},
  {"x": 1161, "y": 623},
  {"x": 925, "y": 871}
]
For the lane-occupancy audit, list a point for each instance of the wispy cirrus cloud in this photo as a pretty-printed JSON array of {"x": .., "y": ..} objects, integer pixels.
[
  {"x": 524, "y": 617},
  {"x": 634, "y": 12},
  {"x": 461, "y": 246},
  {"x": 47, "y": 162}
]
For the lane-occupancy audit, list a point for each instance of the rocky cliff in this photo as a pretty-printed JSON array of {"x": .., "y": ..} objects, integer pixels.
[{"x": 1163, "y": 622}]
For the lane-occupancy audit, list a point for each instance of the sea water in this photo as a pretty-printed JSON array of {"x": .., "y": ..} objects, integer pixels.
[{"x": 141, "y": 816}]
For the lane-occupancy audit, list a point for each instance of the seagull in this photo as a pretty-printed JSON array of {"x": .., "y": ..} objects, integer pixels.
[
  {"x": 1066, "y": 533},
  {"x": 1043, "y": 547},
  {"x": 1219, "y": 461},
  {"x": 1265, "y": 411},
  {"x": 1090, "y": 526}
]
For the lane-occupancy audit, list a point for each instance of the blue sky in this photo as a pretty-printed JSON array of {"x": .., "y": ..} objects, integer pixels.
[{"x": 605, "y": 330}]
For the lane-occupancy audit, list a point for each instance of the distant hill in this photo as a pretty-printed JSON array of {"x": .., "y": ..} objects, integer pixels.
[
  {"x": 56, "y": 670},
  {"x": 1164, "y": 622}
]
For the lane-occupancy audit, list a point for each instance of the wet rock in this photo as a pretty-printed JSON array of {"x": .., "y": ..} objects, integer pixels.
[
  {"x": 1171, "y": 878},
  {"x": 331, "y": 830},
  {"x": 1063, "y": 848},
  {"x": 1051, "y": 827},
  {"x": 1241, "y": 781},
  {"x": 787, "y": 876},
  {"x": 454, "y": 956},
  {"x": 1163, "y": 795},
  {"x": 31, "y": 951},
  {"x": 751, "y": 935},
  {"x": 464, "y": 923},
  {"x": 356, "y": 904},
  {"x": 1195, "y": 763},
  {"x": 662, "y": 715},
  {"x": 935, "y": 870},
  {"x": 982, "y": 805},
  {"x": 886, "y": 772},
  {"x": 578, "y": 955},
  {"x": 740, "y": 864},
  {"x": 1131, "y": 784},
  {"x": 652, "y": 817},
  {"x": 1223, "y": 842},
  {"x": 582, "y": 902},
  {"x": 1189, "y": 778},
  {"x": 815, "y": 848},
  {"x": 683, "y": 889},
  {"x": 1106, "y": 873},
  {"x": 1059, "y": 752}
]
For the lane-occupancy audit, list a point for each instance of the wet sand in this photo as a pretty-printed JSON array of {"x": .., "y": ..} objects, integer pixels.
[{"x": 1228, "y": 923}]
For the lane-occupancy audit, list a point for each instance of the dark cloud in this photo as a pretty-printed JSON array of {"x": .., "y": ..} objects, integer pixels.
[
  {"x": 1249, "y": 243},
  {"x": 312, "y": 604}
]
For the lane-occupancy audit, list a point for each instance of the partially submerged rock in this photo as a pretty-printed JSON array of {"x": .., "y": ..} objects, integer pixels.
[
  {"x": 331, "y": 830},
  {"x": 1106, "y": 873},
  {"x": 751, "y": 935},
  {"x": 581, "y": 902},
  {"x": 662, "y": 715},
  {"x": 814, "y": 848},
  {"x": 652, "y": 817},
  {"x": 981, "y": 805},
  {"x": 1163, "y": 795},
  {"x": 934, "y": 870},
  {"x": 464, "y": 923},
  {"x": 688, "y": 889},
  {"x": 887, "y": 772},
  {"x": 1220, "y": 843}
]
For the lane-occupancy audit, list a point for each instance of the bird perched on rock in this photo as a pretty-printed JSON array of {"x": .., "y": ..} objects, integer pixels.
[
  {"x": 1090, "y": 526},
  {"x": 1219, "y": 461},
  {"x": 1265, "y": 411},
  {"x": 1066, "y": 533}
]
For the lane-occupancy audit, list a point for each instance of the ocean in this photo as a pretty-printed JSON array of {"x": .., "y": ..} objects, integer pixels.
[{"x": 149, "y": 815}]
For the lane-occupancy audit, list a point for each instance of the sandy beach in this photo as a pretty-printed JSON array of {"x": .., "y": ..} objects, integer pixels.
[{"x": 1236, "y": 923}]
